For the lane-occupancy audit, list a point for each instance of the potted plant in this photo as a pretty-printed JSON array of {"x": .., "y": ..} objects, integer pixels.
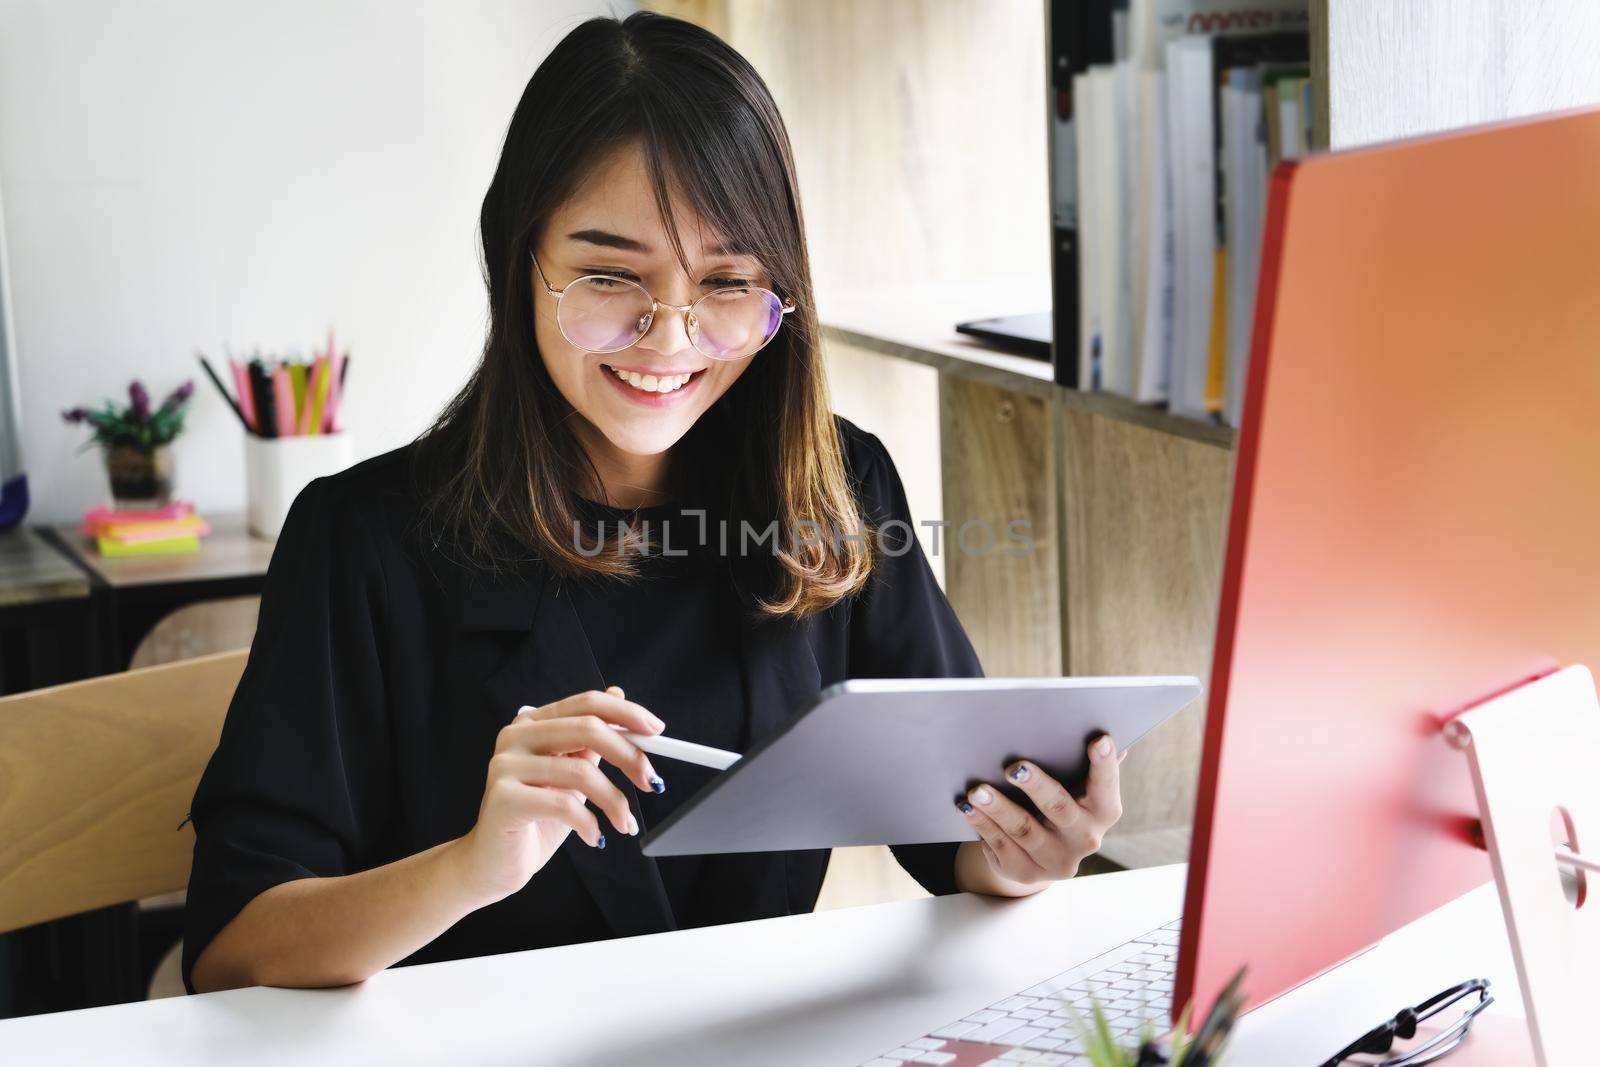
[
  {"x": 1177, "y": 1049},
  {"x": 135, "y": 442}
]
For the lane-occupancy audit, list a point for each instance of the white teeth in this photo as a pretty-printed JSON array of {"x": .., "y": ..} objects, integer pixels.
[{"x": 649, "y": 383}]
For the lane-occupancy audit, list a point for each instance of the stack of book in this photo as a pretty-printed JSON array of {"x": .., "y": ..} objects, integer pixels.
[
  {"x": 174, "y": 528},
  {"x": 1175, "y": 139}
]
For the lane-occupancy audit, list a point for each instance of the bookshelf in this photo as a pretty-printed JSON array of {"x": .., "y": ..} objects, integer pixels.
[
  {"x": 919, "y": 132},
  {"x": 913, "y": 323}
]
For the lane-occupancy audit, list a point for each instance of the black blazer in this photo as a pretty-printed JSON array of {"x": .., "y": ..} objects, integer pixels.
[{"x": 381, "y": 672}]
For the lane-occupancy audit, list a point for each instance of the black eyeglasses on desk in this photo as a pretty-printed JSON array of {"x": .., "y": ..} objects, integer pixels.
[{"x": 1380, "y": 1039}]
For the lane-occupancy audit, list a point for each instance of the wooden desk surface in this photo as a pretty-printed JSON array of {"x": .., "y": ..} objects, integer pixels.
[
  {"x": 33, "y": 571},
  {"x": 229, "y": 551}
]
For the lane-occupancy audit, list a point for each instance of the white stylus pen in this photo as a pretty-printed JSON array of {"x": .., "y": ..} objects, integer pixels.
[
  {"x": 718, "y": 759},
  {"x": 701, "y": 755}
]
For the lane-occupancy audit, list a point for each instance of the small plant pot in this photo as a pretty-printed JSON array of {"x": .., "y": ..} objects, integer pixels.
[{"x": 140, "y": 477}]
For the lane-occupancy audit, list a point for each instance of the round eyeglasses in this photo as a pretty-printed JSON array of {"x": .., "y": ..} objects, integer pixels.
[
  {"x": 1380, "y": 1039},
  {"x": 603, "y": 313}
]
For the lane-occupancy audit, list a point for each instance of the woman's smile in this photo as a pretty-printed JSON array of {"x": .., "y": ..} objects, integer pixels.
[{"x": 652, "y": 387}]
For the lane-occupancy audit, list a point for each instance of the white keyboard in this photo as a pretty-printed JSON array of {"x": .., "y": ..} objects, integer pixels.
[{"x": 1133, "y": 983}]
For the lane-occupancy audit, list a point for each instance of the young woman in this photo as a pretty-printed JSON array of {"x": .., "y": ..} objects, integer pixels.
[{"x": 639, "y": 512}]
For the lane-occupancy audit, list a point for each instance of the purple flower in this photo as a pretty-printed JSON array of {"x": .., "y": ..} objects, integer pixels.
[
  {"x": 140, "y": 398},
  {"x": 178, "y": 397},
  {"x": 76, "y": 414}
]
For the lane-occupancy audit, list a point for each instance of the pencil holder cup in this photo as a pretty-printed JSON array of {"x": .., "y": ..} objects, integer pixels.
[{"x": 277, "y": 468}]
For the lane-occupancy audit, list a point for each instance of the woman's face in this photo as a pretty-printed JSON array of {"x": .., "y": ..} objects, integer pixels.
[{"x": 611, "y": 225}]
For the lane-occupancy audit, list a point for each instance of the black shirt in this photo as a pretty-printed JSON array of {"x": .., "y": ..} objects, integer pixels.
[
  {"x": 383, "y": 669},
  {"x": 669, "y": 638}
]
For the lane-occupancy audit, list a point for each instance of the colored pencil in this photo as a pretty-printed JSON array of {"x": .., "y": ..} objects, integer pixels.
[
  {"x": 337, "y": 365},
  {"x": 283, "y": 397},
  {"x": 241, "y": 388},
  {"x": 319, "y": 393},
  {"x": 238, "y": 413}
]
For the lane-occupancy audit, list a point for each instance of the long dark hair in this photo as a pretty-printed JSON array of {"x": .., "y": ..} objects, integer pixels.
[{"x": 499, "y": 464}]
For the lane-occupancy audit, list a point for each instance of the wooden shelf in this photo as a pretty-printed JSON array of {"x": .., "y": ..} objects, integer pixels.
[{"x": 918, "y": 324}]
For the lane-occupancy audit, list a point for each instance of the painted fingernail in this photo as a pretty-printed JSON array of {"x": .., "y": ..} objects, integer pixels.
[
  {"x": 633, "y": 824},
  {"x": 982, "y": 794},
  {"x": 1103, "y": 746},
  {"x": 657, "y": 785},
  {"x": 601, "y": 843},
  {"x": 1019, "y": 773},
  {"x": 966, "y": 809}
]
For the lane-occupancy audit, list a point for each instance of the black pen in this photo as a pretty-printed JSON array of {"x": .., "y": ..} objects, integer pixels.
[{"x": 232, "y": 403}]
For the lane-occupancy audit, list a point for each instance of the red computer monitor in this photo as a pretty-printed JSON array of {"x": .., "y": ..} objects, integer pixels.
[{"x": 1415, "y": 527}]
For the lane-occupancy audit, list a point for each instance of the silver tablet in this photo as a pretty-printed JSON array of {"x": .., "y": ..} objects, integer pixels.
[{"x": 882, "y": 761}]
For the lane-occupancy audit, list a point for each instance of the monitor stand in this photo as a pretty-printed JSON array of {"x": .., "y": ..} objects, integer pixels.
[{"x": 1534, "y": 753}]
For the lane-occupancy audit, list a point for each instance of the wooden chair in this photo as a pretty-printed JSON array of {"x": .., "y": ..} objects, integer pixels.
[
  {"x": 199, "y": 629},
  {"x": 193, "y": 630},
  {"x": 95, "y": 777}
]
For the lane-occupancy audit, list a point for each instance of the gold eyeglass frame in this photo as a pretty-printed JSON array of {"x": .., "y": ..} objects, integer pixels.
[{"x": 690, "y": 327}]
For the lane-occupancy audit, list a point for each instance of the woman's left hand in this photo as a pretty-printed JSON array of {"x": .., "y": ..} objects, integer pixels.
[{"x": 1022, "y": 851}]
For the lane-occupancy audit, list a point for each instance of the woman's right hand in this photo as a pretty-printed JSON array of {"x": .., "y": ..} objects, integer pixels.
[{"x": 544, "y": 768}]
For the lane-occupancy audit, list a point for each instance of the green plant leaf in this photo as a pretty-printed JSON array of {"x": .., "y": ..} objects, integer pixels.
[
  {"x": 1099, "y": 1043},
  {"x": 1180, "y": 1037},
  {"x": 1102, "y": 1026}
]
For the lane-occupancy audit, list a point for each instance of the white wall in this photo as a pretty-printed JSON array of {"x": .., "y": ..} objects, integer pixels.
[{"x": 180, "y": 173}]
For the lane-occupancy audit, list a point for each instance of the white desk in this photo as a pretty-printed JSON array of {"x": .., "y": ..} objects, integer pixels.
[{"x": 835, "y": 987}]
